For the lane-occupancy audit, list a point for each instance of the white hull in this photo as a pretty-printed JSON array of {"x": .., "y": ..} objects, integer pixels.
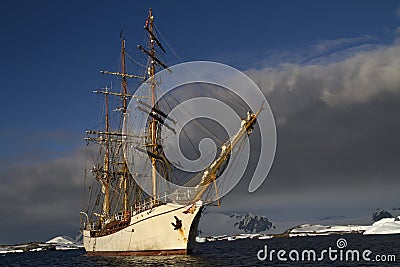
[{"x": 150, "y": 233}]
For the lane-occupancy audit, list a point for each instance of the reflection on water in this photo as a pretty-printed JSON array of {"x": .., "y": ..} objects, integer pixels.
[
  {"x": 202, "y": 258},
  {"x": 178, "y": 260},
  {"x": 220, "y": 253}
]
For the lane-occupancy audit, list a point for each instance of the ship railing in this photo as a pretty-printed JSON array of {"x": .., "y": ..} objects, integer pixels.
[
  {"x": 149, "y": 203},
  {"x": 119, "y": 217},
  {"x": 180, "y": 196},
  {"x": 91, "y": 226}
]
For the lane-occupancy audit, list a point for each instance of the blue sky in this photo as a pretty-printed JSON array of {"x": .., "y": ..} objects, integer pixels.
[{"x": 52, "y": 51}]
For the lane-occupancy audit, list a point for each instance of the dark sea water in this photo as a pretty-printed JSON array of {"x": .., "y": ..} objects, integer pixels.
[{"x": 240, "y": 253}]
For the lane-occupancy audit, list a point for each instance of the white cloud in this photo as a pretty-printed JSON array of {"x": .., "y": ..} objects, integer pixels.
[
  {"x": 356, "y": 79},
  {"x": 327, "y": 45}
]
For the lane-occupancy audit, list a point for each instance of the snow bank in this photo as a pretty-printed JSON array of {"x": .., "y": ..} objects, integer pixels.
[
  {"x": 385, "y": 226},
  {"x": 5, "y": 251}
]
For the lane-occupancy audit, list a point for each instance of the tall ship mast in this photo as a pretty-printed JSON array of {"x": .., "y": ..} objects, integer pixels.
[{"x": 120, "y": 217}]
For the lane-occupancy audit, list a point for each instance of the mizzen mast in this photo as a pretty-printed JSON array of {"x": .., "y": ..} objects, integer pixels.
[{"x": 106, "y": 185}]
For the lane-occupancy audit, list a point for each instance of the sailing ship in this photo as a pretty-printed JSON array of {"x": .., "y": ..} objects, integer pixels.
[{"x": 119, "y": 217}]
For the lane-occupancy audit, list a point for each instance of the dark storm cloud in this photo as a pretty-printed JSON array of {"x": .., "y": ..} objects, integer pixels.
[
  {"x": 41, "y": 200},
  {"x": 340, "y": 115},
  {"x": 338, "y": 129}
]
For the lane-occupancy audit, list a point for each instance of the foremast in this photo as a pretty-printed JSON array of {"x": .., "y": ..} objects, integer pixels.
[
  {"x": 153, "y": 143},
  {"x": 153, "y": 102}
]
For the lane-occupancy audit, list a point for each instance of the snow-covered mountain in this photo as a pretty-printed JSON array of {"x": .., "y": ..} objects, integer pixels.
[
  {"x": 217, "y": 223},
  {"x": 381, "y": 214},
  {"x": 61, "y": 240},
  {"x": 250, "y": 223}
]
